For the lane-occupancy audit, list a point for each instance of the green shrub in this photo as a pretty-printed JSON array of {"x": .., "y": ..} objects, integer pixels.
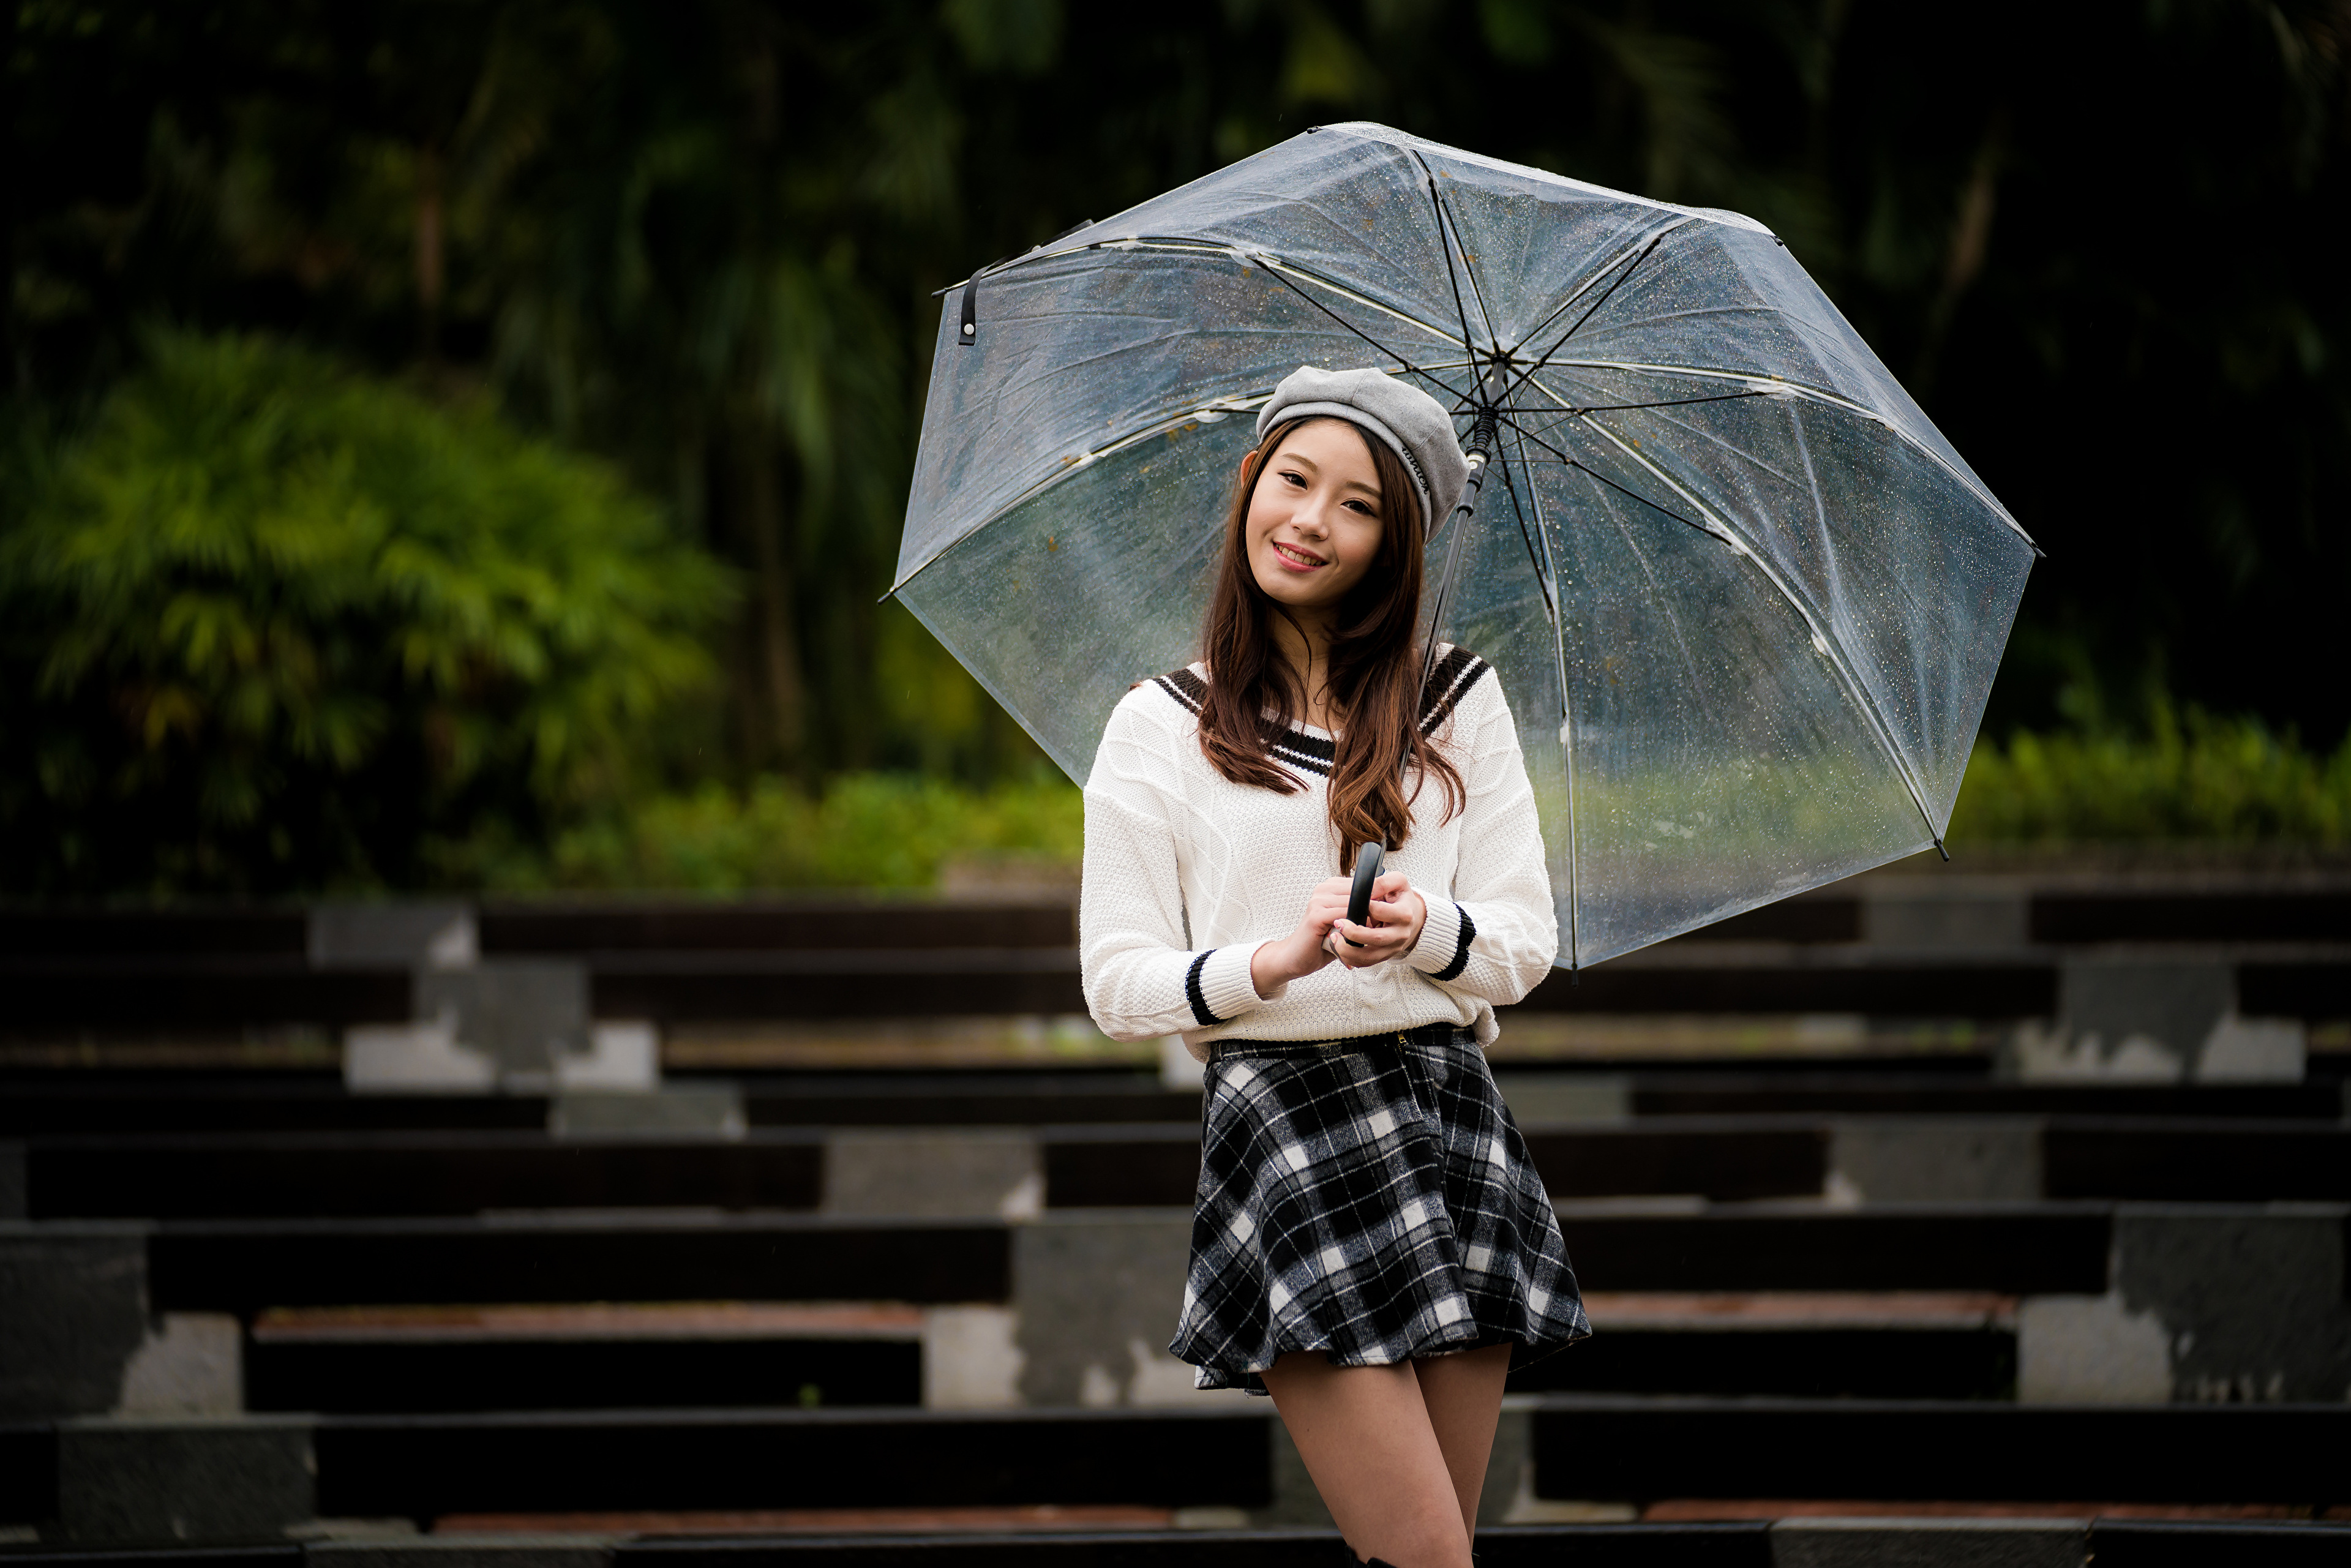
[
  {"x": 267, "y": 624},
  {"x": 866, "y": 830},
  {"x": 2201, "y": 779}
]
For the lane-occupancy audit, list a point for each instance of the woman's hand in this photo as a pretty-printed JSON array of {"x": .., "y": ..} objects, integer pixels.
[
  {"x": 1275, "y": 963},
  {"x": 1398, "y": 915}
]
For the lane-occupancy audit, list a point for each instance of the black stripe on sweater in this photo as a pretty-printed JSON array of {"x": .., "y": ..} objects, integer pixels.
[
  {"x": 1448, "y": 683},
  {"x": 1461, "y": 948},
  {"x": 1193, "y": 994}
]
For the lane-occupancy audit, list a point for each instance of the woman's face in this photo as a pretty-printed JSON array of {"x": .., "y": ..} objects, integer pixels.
[{"x": 1315, "y": 517}]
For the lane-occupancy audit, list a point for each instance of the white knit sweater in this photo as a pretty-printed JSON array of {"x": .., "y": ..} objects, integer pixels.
[{"x": 1186, "y": 874}]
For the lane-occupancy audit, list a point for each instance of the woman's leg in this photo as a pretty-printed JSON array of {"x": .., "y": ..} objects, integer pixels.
[
  {"x": 1365, "y": 1434},
  {"x": 1463, "y": 1395}
]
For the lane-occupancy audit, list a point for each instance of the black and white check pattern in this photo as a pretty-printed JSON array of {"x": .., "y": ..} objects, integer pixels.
[{"x": 1372, "y": 1200}]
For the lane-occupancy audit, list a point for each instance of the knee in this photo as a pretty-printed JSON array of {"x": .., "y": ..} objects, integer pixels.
[{"x": 1432, "y": 1547}]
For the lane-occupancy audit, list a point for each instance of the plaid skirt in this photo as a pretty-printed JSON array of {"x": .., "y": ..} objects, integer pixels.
[{"x": 1370, "y": 1198}]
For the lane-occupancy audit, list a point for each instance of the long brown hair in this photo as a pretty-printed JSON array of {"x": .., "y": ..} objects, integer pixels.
[{"x": 1375, "y": 670}]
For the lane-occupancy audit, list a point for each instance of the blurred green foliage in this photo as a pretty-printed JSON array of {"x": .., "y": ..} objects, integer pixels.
[
  {"x": 864, "y": 830},
  {"x": 700, "y": 242},
  {"x": 2196, "y": 778},
  {"x": 269, "y": 624}
]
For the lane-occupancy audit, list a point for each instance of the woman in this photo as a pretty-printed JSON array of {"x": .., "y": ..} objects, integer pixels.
[{"x": 1371, "y": 1245}]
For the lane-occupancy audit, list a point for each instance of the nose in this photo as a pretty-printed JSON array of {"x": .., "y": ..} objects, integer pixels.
[{"x": 1311, "y": 515}]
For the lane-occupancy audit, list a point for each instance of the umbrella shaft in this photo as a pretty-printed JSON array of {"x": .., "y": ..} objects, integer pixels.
[{"x": 1481, "y": 443}]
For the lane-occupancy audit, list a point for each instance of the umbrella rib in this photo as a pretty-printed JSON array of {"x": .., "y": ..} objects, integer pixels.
[
  {"x": 1358, "y": 332},
  {"x": 1589, "y": 283},
  {"x": 1828, "y": 399},
  {"x": 1545, "y": 579},
  {"x": 1187, "y": 244},
  {"x": 1550, "y": 609},
  {"x": 1823, "y": 638},
  {"x": 1446, "y": 219},
  {"x": 1437, "y": 207},
  {"x": 1578, "y": 411}
]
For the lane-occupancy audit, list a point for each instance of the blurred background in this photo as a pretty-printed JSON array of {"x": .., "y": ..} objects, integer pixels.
[
  {"x": 451, "y": 452},
  {"x": 458, "y": 444}
]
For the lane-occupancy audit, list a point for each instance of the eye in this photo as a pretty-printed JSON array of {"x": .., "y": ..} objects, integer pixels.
[
  {"x": 1364, "y": 506},
  {"x": 1291, "y": 476}
]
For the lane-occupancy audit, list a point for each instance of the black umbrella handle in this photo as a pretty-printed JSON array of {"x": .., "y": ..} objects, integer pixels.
[{"x": 1368, "y": 860}]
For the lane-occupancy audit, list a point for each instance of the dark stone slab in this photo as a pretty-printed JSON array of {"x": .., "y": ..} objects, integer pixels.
[
  {"x": 28, "y": 1472},
  {"x": 1719, "y": 1158},
  {"x": 2015, "y": 1250},
  {"x": 1742, "y": 1544},
  {"x": 450, "y": 1374},
  {"x": 1125, "y": 1167},
  {"x": 1888, "y": 1362},
  {"x": 751, "y": 926},
  {"x": 329, "y": 1174},
  {"x": 223, "y": 1105},
  {"x": 2314, "y": 989},
  {"x": 2197, "y": 1161},
  {"x": 1009, "y": 1104},
  {"x": 2254, "y": 1298},
  {"x": 1628, "y": 1449},
  {"x": 375, "y": 1467},
  {"x": 1789, "y": 977},
  {"x": 230, "y": 1479},
  {"x": 73, "y": 1311},
  {"x": 201, "y": 993},
  {"x": 674, "y": 987},
  {"x": 515, "y": 1549},
  {"x": 243, "y": 1265},
  {"x": 1862, "y": 1093},
  {"x": 121, "y": 933},
  {"x": 2206, "y": 1544},
  {"x": 2237, "y": 915},
  {"x": 524, "y": 1012},
  {"x": 287, "y": 1555}
]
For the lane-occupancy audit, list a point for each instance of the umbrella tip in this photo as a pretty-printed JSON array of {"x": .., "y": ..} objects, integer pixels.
[{"x": 1942, "y": 851}]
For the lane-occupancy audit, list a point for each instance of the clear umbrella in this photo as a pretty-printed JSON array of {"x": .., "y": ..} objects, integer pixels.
[{"x": 1745, "y": 600}]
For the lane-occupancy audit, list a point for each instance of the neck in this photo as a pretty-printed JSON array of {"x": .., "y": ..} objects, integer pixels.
[{"x": 1303, "y": 639}]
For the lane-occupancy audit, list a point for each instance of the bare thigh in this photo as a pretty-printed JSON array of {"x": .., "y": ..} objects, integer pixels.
[
  {"x": 1380, "y": 1443},
  {"x": 1463, "y": 1395}
]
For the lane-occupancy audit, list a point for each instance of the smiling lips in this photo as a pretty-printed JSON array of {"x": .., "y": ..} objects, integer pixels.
[{"x": 1295, "y": 558}]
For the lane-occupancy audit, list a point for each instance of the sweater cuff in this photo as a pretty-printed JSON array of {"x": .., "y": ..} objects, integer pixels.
[
  {"x": 1443, "y": 949},
  {"x": 1218, "y": 986}
]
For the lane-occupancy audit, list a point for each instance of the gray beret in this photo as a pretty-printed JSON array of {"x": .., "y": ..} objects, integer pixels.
[{"x": 1412, "y": 423}]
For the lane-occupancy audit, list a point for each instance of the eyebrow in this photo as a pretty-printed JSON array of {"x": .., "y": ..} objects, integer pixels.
[{"x": 1286, "y": 455}]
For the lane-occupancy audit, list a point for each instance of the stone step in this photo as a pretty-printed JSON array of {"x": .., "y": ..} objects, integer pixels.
[
  {"x": 419, "y": 1360},
  {"x": 1003, "y": 1172},
  {"x": 1795, "y": 1543},
  {"x": 1599, "y": 1446},
  {"x": 1824, "y": 1457},
  {"x": 1818, "y": 1345},
  {"x": 58, "y": 1104},
  {"x": 248, "y": 1265},
  {"x": 52, "y": 992}
]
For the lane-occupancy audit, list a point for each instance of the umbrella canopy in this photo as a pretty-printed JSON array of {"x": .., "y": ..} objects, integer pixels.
[{"x": 1744, "y": 599}]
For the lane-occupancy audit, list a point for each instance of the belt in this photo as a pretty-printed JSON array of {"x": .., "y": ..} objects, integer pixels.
[{"x": 1428, "y": 1034}]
